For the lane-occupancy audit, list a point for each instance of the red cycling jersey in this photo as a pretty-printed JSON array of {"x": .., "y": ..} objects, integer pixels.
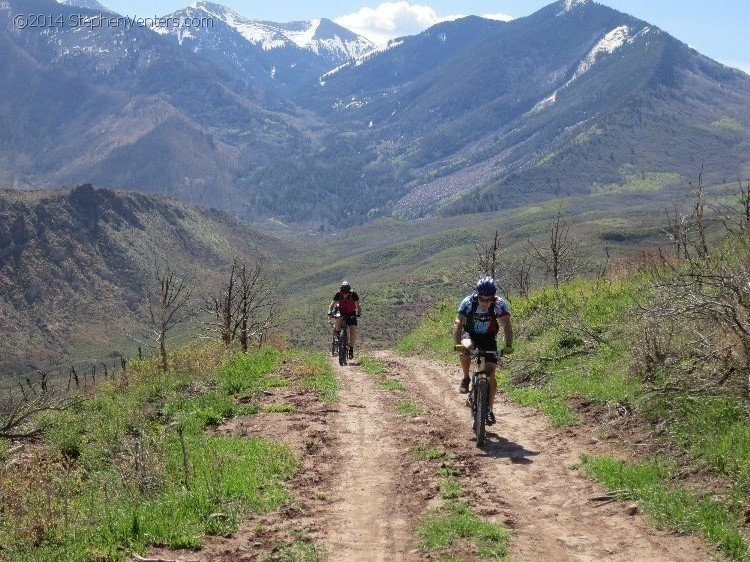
[{"x": 347, "y": 302}]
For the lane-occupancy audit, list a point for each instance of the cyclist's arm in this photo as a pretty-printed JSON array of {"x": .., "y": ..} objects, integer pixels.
[
  {"x": 458, "y": 328},
  {"x": 359, "y": 308},
  {"x": 507, "y": 330},
  {"x": 331, "y": 306}
]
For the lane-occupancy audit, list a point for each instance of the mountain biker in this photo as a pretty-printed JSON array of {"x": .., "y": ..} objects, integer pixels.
[
  {"x": 348, "y": 305},
  {"x": 480, "y": 316}
]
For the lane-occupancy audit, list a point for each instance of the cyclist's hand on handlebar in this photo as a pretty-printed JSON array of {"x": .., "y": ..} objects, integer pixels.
[
  {"x": 359, "y": 314},
  {"x": 507, "y": 350}
]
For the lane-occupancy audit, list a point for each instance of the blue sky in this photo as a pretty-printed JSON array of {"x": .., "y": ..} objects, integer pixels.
[{"x": 718, "y": 28}]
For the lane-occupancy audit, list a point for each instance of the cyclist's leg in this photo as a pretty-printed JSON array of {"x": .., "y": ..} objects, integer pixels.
[
  {"x": 465, "y": 364},
  {"x": 352, "y": 335},
  {"x": 337, "y": 324}
]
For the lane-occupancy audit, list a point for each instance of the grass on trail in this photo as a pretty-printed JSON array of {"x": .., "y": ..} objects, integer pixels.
[
  {"x": 453, "y": 525},
  {"x": 132, "y": 465},
  {"x": 455, "y": 521}
]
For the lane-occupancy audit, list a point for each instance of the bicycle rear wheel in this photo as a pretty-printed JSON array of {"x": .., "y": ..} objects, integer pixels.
[
  {"x": 343, "y": 346},
  {"x": 480, "y": 413}
]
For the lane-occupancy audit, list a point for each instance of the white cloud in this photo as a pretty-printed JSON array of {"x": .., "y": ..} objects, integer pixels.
[
  {"x": 499, "y": 17},
  {"x": 395, "y": 19}
]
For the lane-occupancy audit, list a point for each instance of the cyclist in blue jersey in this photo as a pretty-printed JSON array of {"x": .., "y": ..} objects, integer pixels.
[{"x": 479, "y": 319}]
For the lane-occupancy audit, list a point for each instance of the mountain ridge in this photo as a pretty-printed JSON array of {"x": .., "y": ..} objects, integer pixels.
[{"x": 467, "y": 116}]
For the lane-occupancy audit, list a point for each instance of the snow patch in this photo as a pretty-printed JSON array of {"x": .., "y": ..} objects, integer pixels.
[
  {"x": 361, "y": 59},
  {"x": 570, "y": 5},
  {"x": 608, "y": 45}
]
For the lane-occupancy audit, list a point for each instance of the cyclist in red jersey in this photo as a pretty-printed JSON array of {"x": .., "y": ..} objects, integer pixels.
[{"x": 347, "y": 302}]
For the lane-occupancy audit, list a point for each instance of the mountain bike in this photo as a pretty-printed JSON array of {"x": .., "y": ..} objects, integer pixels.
[
  {"x": 340, "y": 341},
  {"x": 479, "y": 392},
  {"x": 343, "y": 338}
]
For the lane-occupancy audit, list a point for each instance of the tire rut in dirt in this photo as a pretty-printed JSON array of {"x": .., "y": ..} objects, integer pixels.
[
  {"x": 369, "y": 516},
  {"x": 523, "y": 476}
]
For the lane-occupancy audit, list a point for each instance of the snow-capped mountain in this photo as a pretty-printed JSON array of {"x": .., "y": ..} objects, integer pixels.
[
  {"x": 88, "y": 4},
  {"x": 469, "y": 116},
  {"x": 284, "y": 52}
]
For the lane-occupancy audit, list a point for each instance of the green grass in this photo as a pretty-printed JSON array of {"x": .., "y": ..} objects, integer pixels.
[
  {"x": 543, "y": 400},
  {"x": 371, "y": 366},
  {"x": 315, "y": 373},
  {"x": 670, "y": 506},
  {"x": 454, "y": 524},
  {"x": 407, "y": 408},
  {"x": 714, "y": 430},
  {"x": 132, "y": 466},
  {"x": 301, "y": 549},
  {"x": 392, "y": 385},
  {"x": 450, "y": 488},
  {"x": 433, "y": 335},
  {"x": 376, "y": 369},
  {"x": 279, "y": 408},
  {"x": 455, "y": 521},
  {"x": 422, "y": 452}
]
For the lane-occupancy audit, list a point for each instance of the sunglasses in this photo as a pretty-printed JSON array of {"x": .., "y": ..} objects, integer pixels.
[{"x": 485, "y": 299}]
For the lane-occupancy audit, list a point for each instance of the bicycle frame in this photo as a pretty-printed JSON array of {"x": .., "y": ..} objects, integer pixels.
[
  {"x": 479, "y": 393},
  {"x": 343, "y": 343}
]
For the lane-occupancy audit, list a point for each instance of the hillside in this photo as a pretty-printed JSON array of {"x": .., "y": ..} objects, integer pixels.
[
  {"x": 565, "y": 101},
  {"x": 469, "y": 116},
  {"x": 76, "y": 264},
  {"x": 101, "y": 247}
]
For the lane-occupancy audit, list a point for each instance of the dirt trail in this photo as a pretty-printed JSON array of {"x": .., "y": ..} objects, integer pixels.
[
  {"x": 369, "y": 518},
  {"x": 361, "y": 493},
  {"x": 526, "y": 467}
]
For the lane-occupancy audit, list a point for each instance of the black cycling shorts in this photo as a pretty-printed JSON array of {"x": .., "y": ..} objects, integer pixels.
[
  {"x": 485, "y": 342},
  {"x": 350, "y": 319}
]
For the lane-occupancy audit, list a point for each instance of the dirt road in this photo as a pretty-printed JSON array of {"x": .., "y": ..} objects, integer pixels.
[
  {"x": 523, "y": 477},
  {"x": 362, "y": 492}
]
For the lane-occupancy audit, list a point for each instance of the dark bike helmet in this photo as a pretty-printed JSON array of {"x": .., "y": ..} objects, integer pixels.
[
  {"x": 486, "y": 287},
  {"x": 345, "y": 287}
]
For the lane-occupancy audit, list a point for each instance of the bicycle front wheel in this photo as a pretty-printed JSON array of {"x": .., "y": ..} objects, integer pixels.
[
  {"x": 343, "y": 346},
  {"x": 480, "y": 414}
]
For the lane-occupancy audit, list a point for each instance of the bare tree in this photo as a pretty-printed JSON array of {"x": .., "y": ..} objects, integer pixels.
[
  {"x": 488, "y": 256},
  {"x": 711, "y": 297},
  {"x": 169, "y": 308},
  {"x": 736, "y": 218},
  {"x": 18, "y": 412},
  {"x": 701, "y": 244},
  {"x": 520, "y": 277},
  {"x": 222, "y": 306},
  {"x": 244, "y": 308},
  {"x": 256, "y": 304},
  {"x": 560, "y": 258},
  {"x": 677, "y": 231}
]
